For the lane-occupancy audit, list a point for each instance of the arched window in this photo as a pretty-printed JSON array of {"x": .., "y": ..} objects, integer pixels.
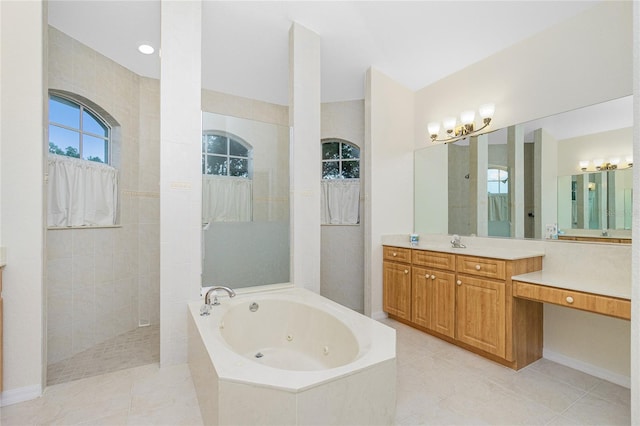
[
  {"x": 497, "y": 180},
  {"x": 77, "y": 131},
  {"x": 340, "y": 185},
  {"x": 340, "y": 159},
  {"x": 224, "y": 154}
]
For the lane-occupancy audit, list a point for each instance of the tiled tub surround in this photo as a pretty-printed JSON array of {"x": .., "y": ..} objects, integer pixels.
[
  {"x": 593, "y": 343},
  {"x": 233, "y": 388}
]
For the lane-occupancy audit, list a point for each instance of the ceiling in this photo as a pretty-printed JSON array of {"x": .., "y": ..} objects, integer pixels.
[{"x": 245, "y": 43}]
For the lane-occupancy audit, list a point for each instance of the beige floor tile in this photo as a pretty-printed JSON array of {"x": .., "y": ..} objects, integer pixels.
[
  {"x": 565, "y": 374},
  {"x": 535, "y": 386},
  {"x": 594, "y": 410}
]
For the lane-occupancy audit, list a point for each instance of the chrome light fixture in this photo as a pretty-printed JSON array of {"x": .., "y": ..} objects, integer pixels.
[{"x": 467, "y": 128}]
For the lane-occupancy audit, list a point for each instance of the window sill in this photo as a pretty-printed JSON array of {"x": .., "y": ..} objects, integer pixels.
[
  {"x": 59, "y": 228},
  {"x": 339, "y": 224}
]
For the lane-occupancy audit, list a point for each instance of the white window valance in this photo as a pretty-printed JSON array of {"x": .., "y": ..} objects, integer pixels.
[
  {"x": 226, "y": 199},
  {"x": 498, "y": 207},
  {"x": 81, "y": 193},
  {"x": 340, "y": 201}
]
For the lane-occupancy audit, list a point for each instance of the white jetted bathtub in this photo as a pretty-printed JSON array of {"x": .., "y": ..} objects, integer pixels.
[{"x": 290, "y": 357}]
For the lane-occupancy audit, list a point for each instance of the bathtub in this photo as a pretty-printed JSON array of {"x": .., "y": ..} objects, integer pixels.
[{"x": 291, "y": 357}]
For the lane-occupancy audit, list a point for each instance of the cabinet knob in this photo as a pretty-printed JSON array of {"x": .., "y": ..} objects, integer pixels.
[
  {"x": 426, "y": 276},
  {"x": 477, "y": 267},
  {"x": 394, "y": 254},
  {"x": 569, "y": 299},
  {"x": 433, "y": 277},
  {"x": 459, "y": 282},
  {"x": 406, "y": 271}
]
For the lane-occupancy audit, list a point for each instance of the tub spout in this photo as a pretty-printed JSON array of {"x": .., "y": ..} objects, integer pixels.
[{"x": 213, "y": 290}]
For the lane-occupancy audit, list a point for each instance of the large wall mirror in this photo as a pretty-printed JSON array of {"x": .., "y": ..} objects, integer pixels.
[
  {"x": 245, "y": 202},
  {"x": 567, "y": 175}
]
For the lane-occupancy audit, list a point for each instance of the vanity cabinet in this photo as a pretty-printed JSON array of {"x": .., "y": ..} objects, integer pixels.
[
  {"x": 465, "y": 300},
  {"x": 433, "y": 290},
  {"x": 397, "y": 282}
]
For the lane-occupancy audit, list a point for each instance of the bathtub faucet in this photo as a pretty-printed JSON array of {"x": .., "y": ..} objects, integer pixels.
[
  {"x": 216, "y": 302},
  {"x": 206, "y": 308}
]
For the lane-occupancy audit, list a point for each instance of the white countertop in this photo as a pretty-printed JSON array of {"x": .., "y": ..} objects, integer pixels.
[
  {"x": 493, "y": 252},
  {"x": 587, "y": 284}
]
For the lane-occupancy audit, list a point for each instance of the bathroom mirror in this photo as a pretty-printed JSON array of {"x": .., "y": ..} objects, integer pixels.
[
  {"x": 599, "y": 201},
  {"x": 245, "y": 202},
  {"x": 601, "y": 131}
]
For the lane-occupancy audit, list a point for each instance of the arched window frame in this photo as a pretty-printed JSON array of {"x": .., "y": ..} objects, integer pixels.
[
  {"x": 83, "y": 106},
  {"x": 500, "y": 177},
  {"x": 341, "y": 159},
  {"x": 227, "y": 156}
]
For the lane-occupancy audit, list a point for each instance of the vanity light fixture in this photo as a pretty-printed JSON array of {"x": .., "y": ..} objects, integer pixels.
[
  {"x": 466, "y": 128},
  {"x": 613, "y": 163}
]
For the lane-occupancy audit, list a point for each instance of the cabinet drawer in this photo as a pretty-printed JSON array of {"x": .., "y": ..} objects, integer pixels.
[
  {"x": 434, "y": 259},
  {"x": 611, "y": 306},
  {"x": 397, "y": 254},
  {"x": 482, "y": 267}
]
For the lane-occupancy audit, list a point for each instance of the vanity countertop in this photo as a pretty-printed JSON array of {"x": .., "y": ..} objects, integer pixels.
[
  {"x": 493, "y": 252},
  {"x": 587, "y": 284}
]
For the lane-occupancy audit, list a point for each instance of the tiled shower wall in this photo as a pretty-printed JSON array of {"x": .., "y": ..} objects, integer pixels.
[{"x": 105, "y": 281}]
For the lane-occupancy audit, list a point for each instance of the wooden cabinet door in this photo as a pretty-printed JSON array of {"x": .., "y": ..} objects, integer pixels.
[
  {"x": 433, "y": 300},
  {"x": 480, "y": 315},
  {"x": 421, "y": 290},
  {"x": 396, "y": 283},
  {"x": 443, "y": 303}
]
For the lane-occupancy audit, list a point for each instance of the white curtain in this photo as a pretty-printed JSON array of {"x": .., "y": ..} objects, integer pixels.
[
  {"x": 340, "y": 201},
  {"x": 498, "y": 207},
  {"x": 81, "y": 193},
  {"x": 226, "y": 199}
]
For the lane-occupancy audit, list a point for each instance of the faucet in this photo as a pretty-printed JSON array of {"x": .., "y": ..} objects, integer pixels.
[
  {"x": 605, "y": 232},
  {"x": 456, "y": 243},
  {"x": 206, "y": 308}
]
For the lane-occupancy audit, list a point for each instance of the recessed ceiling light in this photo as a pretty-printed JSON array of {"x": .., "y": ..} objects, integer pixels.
[{"x": 146, "y": 49}]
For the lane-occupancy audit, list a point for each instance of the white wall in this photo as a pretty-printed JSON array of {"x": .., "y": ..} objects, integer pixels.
[
  {"x": 180, "y": 174},
  {"x": 389, "y": 142},
  {"x": 566, "y": 67},
  {"x": 22, "y": 83},
  {"x": 342, "y": 246},
  {"x": 304, "y": 118},
  {"x": 614, "y": 143}
]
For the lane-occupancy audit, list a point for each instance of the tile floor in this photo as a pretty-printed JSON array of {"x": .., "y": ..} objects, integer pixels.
[
  {"x": 438, "y": 384},
  {"x": 132, "y": 349}
]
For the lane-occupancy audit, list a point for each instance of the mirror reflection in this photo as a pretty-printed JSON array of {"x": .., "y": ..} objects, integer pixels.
[
  {"x": 507, "y": 183},
  {"x": 245, "y": 202},
  {"x": 598, "y": 201}
]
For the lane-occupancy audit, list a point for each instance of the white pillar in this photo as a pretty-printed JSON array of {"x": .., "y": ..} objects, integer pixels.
[
  {"x": 180, "y": 173},
  {"x": 515, "y": 143},
  {"x": 304, "y": 118},
  {"x": 478, "y": 166},
  {"x": 21, "y": 197}
]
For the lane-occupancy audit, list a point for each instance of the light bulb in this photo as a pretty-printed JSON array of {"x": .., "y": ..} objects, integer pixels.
[
  {"x": 615, "y": 161},
  {"x": 583, "y": 164},
  {"x": 629, "y": 159},
  {"x": 434, "y": 128},
  {"x": 598, "y": 162},
  {"x": 467, "y": 117},
  {"x": 449, "y": 123},
  {"x": 487, "y": 110}
]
